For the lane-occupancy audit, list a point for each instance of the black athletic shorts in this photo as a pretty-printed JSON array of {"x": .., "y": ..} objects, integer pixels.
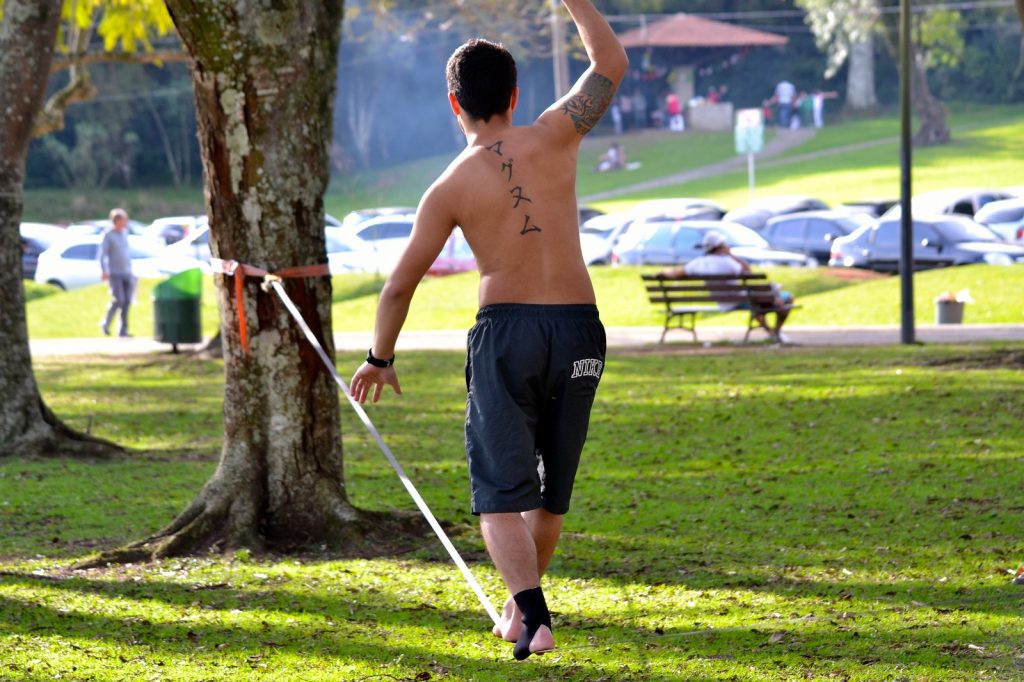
[{"x": 531, "y": 372}]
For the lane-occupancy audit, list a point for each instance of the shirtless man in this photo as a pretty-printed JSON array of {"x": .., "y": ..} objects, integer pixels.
[{"x": 537, "y": 350}]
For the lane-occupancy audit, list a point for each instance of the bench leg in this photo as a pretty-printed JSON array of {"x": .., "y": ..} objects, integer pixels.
[{"x": 681, "y": 324}]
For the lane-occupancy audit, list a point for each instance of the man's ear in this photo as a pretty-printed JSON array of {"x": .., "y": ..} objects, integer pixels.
[
  {"x": 514, "y": 101},
  {"x": 454, "y": 103}
]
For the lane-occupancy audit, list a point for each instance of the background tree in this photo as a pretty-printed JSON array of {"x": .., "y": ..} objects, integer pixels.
[
  {"x": 27, "y": 426},
  {"x": 844, "y": 30},
  {"x": 126, "y": 30},
  {"x": 264, "y": 83}
]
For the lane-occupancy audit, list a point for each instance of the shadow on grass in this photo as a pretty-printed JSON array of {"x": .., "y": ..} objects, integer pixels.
[{"x": 358, "y": 627}]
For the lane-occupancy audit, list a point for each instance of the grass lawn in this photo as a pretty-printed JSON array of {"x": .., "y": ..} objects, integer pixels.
[
  {"x": 746, "y": 515},
  {"x": 987, "y": 151},
  {"x": 828, "y": 298}
]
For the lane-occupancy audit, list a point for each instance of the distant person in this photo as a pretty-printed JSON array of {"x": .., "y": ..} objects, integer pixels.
[
  {"x": 613, "y": 159},
  {"x": 639, "y": 109},
  {"x": 818, "y": 104},
  {"x": 785, "y": 93},
  {"x": 626, "y": 108},
  {"x": 616, "y": 114},
  {"x": 713, "y": 95},
  {"x": 674, "y": 109},
  {"x": 801, "y": 116},
  {"x": 116, "y": 265},
  {"x": 537, "y": 351},
  {"x": 718, "y": 259}
]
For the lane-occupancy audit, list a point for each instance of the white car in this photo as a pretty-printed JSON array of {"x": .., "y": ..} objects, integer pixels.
[
  {"x": 72, "y": 263},
  {"x": 348, "y": 253},
  {"x": 600, "y": 234},
  {"x": 171, "y": 230},
  {"x": 1005, "y": 218}
]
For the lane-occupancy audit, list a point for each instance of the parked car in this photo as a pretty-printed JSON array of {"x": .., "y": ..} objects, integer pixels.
[
  {"x": 600, "y": 234},
  {"x": 353, "y": 219},
  {"x": 36, "y": 238},
  {"x": 1004, "y": 217},
  {"x": 588, "y": 212},
  {"x": 873, "y": 207},
  {"x": 455, "y": 257},
  {"x": 348, "y": 253},
  {"x": 195, "y": 244},
  {"x": 948, "y": 202},
  {"x": 171, "y": 230},
  {"x": 811, "y": 232},
  {"x": 757, "y": 213},
  {"x": 938, "y": 241},
  {"x": 72, "y": 263},
  {"x": 675, "y": 242},
  {"x": 680, "y": 208},
  {"x": 386, "y": 234}
]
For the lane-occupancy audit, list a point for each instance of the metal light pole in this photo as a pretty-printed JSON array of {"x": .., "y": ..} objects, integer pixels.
[
  {"x": 559, "y": 55},
  {"x": 906, "y": 217}
]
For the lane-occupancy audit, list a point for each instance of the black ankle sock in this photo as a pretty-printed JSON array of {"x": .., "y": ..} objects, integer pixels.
[{"x": 535, "y": 613}]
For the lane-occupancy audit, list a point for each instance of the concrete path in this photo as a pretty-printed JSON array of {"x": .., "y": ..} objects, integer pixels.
[{"x": 619, "y": 338}]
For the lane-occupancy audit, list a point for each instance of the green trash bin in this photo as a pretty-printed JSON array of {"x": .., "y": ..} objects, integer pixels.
[{"x": 176, "y": 302}]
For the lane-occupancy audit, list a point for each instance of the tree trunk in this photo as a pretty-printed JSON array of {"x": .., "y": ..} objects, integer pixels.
[
  {"x": 860, "y": 80},
  {"x": 27, "y": 426},
  {"x": 264, "y": 84},
  {"x": 931, "y": 112}
]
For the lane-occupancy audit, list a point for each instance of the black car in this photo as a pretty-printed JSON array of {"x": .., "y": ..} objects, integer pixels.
[
  {"x": 811, "y": 232},
  {"x": 938, "y": 241},
  {"x": 35, "y": 238}
]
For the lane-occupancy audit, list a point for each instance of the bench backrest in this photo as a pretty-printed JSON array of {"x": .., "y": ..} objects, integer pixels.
[{"x": 752, "y": 287}]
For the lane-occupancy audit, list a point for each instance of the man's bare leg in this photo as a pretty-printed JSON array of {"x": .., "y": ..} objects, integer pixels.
[
  {"x": 545, "y": 528},
  {"x": 513, "y": 548}
]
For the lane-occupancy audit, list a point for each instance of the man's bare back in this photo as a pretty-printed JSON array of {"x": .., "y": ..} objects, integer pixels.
[{"x": 515, "y": 199}]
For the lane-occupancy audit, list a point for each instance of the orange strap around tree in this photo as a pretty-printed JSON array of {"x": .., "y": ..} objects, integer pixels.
[{"x": 240, "y": 271}]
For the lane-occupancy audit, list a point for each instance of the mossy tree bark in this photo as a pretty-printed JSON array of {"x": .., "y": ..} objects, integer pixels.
[
  {"x": 264, "y": 79},
  {"x": 27, "y": 426},
  {"x": 930, "y": 111}
]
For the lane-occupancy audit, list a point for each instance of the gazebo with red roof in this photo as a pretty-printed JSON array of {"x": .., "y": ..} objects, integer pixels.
[{"x": 683, "y": 42}]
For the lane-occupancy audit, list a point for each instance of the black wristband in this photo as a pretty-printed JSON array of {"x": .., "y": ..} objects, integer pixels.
[{"x": 378, "y": 362}]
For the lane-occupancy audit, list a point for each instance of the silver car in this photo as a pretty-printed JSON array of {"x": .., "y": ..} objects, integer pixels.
[
  {"x": 938, "y": 241},
  {"x": 674, "y": 242}
]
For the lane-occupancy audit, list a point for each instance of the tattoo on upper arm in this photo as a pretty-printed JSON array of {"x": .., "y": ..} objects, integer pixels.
[{"x": 586, "y": 107}]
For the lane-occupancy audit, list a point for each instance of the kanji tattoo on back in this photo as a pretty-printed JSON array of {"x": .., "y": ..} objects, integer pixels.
[{"x": 587, "y": 106}]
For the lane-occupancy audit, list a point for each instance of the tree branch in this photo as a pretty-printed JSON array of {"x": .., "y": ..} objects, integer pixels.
[
  {"x": 155, "y": 57},
  {"x": 51, "y": 118}
]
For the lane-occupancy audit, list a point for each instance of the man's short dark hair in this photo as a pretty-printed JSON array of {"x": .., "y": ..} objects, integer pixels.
[{"x": 482, "y": 76}]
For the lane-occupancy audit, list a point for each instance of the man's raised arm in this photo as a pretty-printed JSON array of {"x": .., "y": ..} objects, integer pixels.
[{"x": 580, "y": 110}]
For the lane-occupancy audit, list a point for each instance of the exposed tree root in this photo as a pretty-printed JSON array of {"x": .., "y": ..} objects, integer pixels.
[
  {"x": 207, "y": 527},
  {"x": 53, "y": 438},
  {"x": 211, "y": 350}
]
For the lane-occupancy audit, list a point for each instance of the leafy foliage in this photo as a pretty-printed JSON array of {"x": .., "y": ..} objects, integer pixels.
[
  {"x": 126, "y": 25},
  {"x": 838, "y": 25}
]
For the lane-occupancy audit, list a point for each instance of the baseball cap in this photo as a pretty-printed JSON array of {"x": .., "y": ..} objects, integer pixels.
[{"x": 712, "y": 240}]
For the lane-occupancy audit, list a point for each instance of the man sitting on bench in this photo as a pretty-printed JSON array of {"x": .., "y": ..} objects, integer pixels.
[{"x": 718, "y": 259}]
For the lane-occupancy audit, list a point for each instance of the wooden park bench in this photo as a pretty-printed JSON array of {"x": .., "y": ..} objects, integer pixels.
[{"x": 686, "y": 296}]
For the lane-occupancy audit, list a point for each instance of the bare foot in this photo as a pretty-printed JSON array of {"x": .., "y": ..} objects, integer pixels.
[
  {"x": 511, "y": 623},
  {"x": 543, "y": 641}
]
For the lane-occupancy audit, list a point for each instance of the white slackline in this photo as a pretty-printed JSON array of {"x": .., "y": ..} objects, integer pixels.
[{"x": 424, "y": 509}]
